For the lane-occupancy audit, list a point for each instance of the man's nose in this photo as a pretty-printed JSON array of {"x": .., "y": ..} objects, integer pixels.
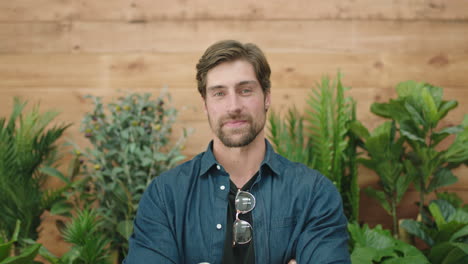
[{"x": 234, "y": 104}]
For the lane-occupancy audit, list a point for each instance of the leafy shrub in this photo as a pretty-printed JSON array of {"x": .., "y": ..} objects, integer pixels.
[
  {"x": 131, "y": 145},
  {"x": 418, "y": 111},
  {"x": 377, "y": 245},
  {"x": 445, "y": 231}
]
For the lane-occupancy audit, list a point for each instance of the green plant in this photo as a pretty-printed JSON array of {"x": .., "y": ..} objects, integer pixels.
[
  {"x": 289, "y": 137},
  {"x": 322, "y": 139},
  {"x": 131, "y": 145},
  {"x": 377, "y": 245},
  {"x": 89, "y": 245},
  {"x": 386, "y": 158},
  {"x": 418, "y": 111},
  {"x": 445, "y": 231},
  {"x": 25, "y": 257},
  {"x": 26, "y": 145}
]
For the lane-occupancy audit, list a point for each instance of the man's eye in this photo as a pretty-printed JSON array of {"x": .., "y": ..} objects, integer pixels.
[
  {"x": 246, "y": 91},
  {"x": 218, "y": 94}
]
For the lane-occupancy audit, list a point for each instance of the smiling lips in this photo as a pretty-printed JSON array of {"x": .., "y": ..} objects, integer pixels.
[{"x": 235, "y": 123}]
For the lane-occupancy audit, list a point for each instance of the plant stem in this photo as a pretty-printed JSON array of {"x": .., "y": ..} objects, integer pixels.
[
  {"x": 422, "y": 191},
  {"x": 395, "y": 219}
]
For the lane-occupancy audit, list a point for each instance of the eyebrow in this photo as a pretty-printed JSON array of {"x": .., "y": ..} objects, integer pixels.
[{"x": 214, "y": 87}]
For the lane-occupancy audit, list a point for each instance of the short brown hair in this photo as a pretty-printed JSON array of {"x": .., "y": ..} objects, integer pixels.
[{"x": 230, "y": 50}]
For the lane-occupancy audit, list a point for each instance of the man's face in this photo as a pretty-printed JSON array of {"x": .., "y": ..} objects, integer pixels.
[{"x": 235, "y": 103}]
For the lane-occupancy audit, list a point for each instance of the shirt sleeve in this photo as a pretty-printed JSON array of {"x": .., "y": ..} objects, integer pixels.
[
  {"x": 153, "y": 239},
  {"x": 324, "y": 238}
]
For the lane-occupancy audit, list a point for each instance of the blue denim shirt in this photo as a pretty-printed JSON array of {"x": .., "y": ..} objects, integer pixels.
[{"x": 182, "y": 215}]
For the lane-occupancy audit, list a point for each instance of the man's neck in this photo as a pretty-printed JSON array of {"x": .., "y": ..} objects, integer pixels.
[{"x": 241, "y": 163}]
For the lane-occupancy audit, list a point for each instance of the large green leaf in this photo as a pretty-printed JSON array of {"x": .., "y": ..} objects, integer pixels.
[
  {"x": 438, "y": 136},
  {"x": 460, "y": 216},
  {"x": 359, "y": 129},
  {"x": 26, "y": 257},
  {"x": 380, "y": 197},
  {"x": 460, "y": 234},
  {"x": 443, "y": 177},
  {"x": 363, "y": 255},
  {"x": 445, "y": 107},
  {"x": 125, "y": 228},
  {"x": 410, "y": 130},
  {"x": 378, "y": 246},
  {"x": 402, "y": 184},
  {"x": 450, "y": 253},
  {"x": 429, "y": 108},
  {"x": 417, "y": 229},
  {"x": 394, "y": 110},
  {"x": 415, "y": 115},
  {"x": 446, "y": 209},
  {"x": 446, "y": 231},
  {"x": 437, "y": 214}
]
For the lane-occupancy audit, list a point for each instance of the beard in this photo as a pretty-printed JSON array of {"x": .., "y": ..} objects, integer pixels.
[{"x": 237, "y": 137}]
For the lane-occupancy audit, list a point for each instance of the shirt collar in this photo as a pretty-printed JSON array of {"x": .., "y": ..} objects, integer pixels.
[{"x": 271, "y": 160}]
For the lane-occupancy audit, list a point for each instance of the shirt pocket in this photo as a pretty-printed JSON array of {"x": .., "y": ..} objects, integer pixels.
[{"x": 281, "y": 238}]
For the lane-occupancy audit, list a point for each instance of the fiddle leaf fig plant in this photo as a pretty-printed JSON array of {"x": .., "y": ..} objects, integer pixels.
[
  {"x": 379, "y": 246},
  {"x": 418, "y": 112},
  {"x": 446, "y": 232},
  {"x": 131, "y": 144},
  {"x": 386, "y": 158}
]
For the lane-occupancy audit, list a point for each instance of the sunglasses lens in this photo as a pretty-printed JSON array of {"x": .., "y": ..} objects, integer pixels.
[
  {"x": 242, "y": 232},
  {"x": 245, "y": 202}
]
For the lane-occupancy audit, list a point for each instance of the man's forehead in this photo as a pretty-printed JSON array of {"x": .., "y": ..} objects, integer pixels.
[
  {"x": 240, "y": 83},
  {"x": 235, "y": 72}
]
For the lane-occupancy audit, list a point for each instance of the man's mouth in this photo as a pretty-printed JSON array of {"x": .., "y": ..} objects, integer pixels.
[{"x": 235, "y": 123}]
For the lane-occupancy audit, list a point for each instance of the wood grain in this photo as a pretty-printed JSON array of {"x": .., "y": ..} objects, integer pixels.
[
  {"x": 195, "y": 36},
  {"x": 177, "y": 70},
  {"x": 151, "y": 10}
]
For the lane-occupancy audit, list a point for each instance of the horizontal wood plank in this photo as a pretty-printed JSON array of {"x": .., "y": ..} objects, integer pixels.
[
  {"x": 150, "y": 10},
  {"x": 177, "y": 70},
  {"x": 191, "y": 114},
  {"x": 191, "y": 36},
  {"x": 72, "y": 104}
]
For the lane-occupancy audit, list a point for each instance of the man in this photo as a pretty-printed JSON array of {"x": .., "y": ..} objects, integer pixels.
[{"x": 239, "y": 201}]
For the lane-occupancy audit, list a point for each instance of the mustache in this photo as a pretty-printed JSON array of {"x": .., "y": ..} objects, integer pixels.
[{"x": 229, "y": 118}]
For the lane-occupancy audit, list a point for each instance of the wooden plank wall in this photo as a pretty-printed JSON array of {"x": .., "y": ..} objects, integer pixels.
[{"x": 56, "y": 51}]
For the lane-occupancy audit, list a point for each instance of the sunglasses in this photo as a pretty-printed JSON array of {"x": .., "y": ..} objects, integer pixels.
[{"x": 242, "y": 230}]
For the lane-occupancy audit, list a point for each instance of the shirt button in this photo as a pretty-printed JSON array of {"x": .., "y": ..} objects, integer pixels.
[
  {"x": 219, "y": 226},
  {"x": 222, "y": 187},
  {"x": 218, "y": 167}
]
